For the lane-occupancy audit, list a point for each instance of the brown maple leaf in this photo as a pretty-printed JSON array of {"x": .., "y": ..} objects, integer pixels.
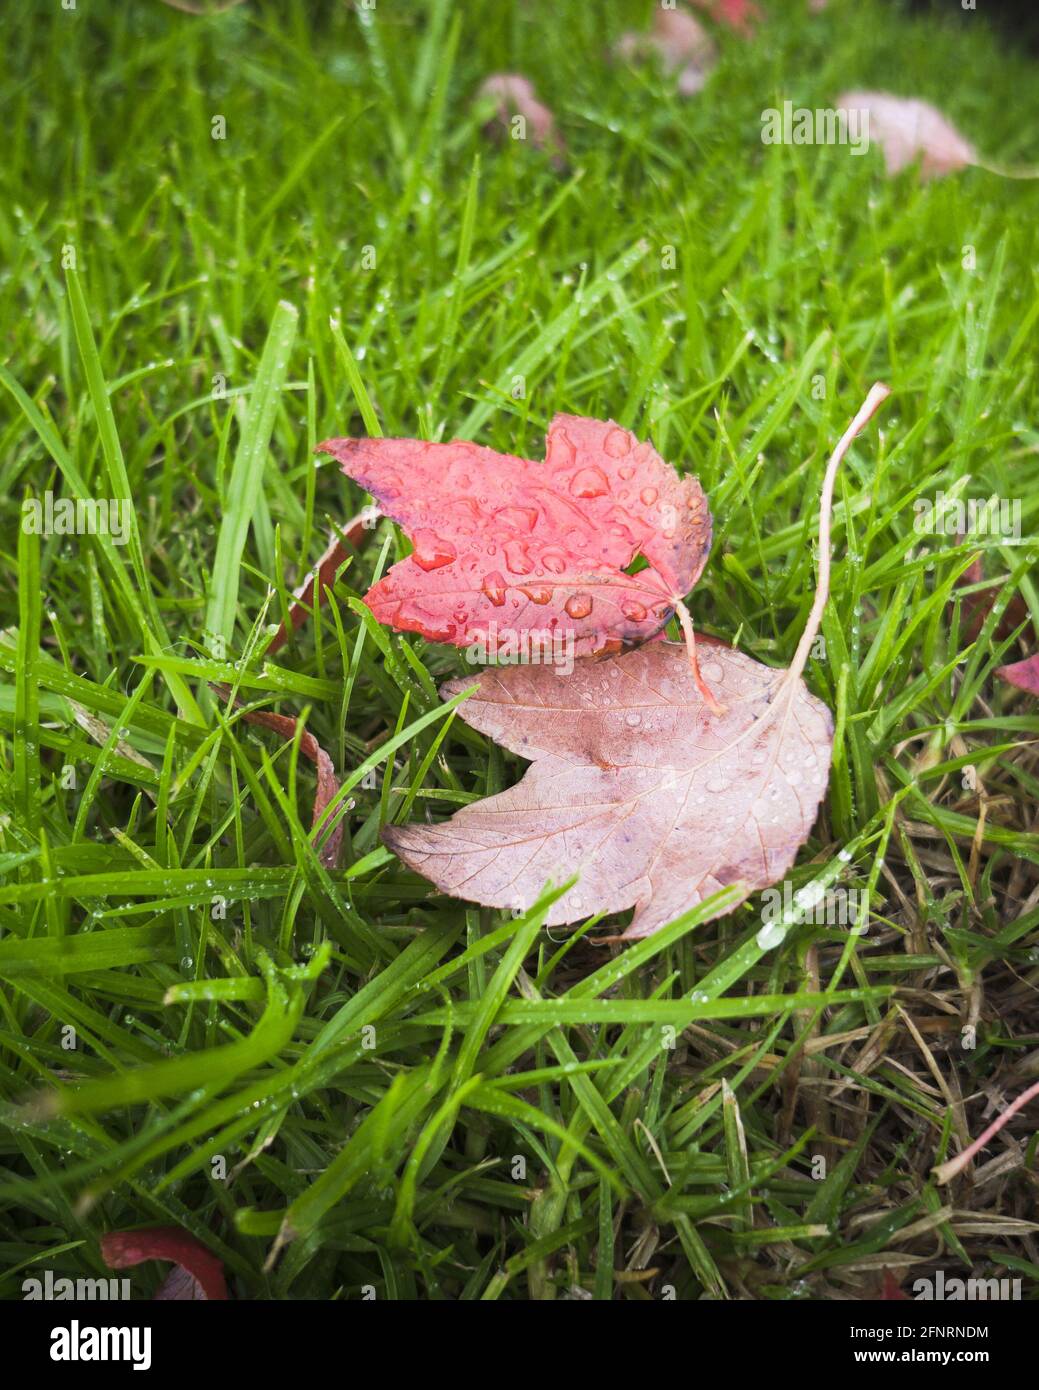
[{"x": 635, "y": 784}]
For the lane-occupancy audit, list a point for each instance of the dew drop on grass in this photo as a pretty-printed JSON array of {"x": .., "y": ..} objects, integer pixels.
[{"x": 770, "y": 935}]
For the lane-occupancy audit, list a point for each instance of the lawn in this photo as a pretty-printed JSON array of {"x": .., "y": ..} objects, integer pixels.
[{"x": 225, "y": 238}]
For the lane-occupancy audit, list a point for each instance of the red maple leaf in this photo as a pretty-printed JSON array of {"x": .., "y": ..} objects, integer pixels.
[
  {"x": 505, "y": 546},
  {"x": 890, "y": 1287}
]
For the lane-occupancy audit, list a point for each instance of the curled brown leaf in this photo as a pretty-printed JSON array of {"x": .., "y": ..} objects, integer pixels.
[
  {"x": 196, "y": 1273},
  {"x": 327, "y": 782},
  {"x": 307, "y": 596}
]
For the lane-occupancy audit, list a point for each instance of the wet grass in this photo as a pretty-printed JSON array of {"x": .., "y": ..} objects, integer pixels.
[{"x": 338, "y": 1080}]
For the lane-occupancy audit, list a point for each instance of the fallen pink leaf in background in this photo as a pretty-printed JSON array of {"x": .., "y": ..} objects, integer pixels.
[
  {"x": 198, "y": 1274},
  {"x": 741, "y": 16},
  {"x": 681, "y": 44},
  {"x": 515, "y": 96},
  {"x": 503, "y": 546},
  {"x": 908, "y": 129},
  {"x": 327, "y": 782},
  {"x": 1023, "y": 674}
]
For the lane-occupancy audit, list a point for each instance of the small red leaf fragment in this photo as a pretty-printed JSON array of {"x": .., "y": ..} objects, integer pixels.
[
  {"x": 890, "y": 1289},
  {"x": 741, "y": 16},
  {"x": 198, "y": 1273},
  {"x": 1023, "y": 674}
]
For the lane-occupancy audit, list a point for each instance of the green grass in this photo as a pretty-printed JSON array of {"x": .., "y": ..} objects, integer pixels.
[{"x": 407, "y": 1094}]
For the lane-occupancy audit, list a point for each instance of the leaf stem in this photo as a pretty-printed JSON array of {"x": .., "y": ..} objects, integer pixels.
[
  {"x": 690, "y": 642},
  {"x": 878, "y": 393}
]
